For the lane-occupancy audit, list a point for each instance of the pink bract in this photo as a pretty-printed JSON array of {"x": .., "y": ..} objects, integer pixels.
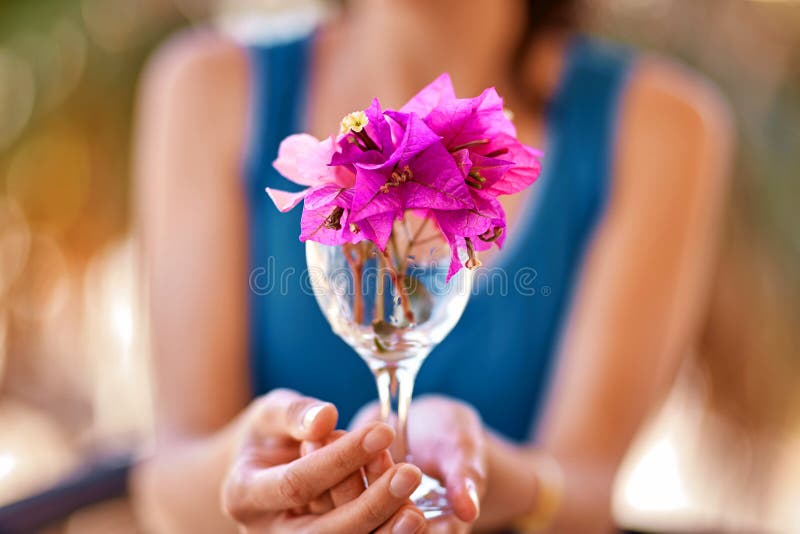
[{"x": 447, "y": 157}]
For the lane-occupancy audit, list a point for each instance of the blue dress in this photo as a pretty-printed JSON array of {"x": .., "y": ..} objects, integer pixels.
[{"x": 502, "y": 354}]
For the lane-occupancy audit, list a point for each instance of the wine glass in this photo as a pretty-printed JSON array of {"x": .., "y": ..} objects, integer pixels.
[{"x": 393, "y": 307}]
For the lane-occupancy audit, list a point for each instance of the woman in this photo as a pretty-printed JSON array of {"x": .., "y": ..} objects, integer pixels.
[{"x": 540, "y": 389}]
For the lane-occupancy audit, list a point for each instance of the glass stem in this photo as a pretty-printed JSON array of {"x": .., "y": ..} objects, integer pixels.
[{"x": 395, "y": 383}]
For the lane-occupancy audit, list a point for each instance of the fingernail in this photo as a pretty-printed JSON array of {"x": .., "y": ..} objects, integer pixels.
[
  {"x": 409, "y": 523},
  {"x": 311, "y": 414},
  {"x": 378, "y": 438},
  {"x": 472, "y": 491},
  {"x": 405, "y": 481}
]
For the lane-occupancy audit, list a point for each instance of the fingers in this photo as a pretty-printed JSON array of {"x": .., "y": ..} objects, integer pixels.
[
  {"x": 460, "y": 460},
  {"x": 377, "y": 504},
  {"x": 407, "y": 520},
  {"x": 323, "y": 503},
  {"x": 296, "y": 484},
  {"x": 464, "y": 478},
  {"x": 284, "y": 412},
  {"x": 378, "y": 466},
  {"x": 351, "y": 487},
  {"x": 462, "y": 492}
]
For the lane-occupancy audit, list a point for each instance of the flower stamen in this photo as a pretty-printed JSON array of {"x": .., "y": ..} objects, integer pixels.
[
  {"x": 397, "y": 179},
  {"x": 498, "y": 152},
  {"x": 356, "y": 122},
  {"x": 472, "y": 262},
  {"x": 475, "y": 175},
  {"x": 474, "y": 179},
  {"x": 469, "y": 144},
  {"x": 491, "y": 234}
]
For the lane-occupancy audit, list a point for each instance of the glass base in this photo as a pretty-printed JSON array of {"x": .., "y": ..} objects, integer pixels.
[{"x": 431, "y": 497}]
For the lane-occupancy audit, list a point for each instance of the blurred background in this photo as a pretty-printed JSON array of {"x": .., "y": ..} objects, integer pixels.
[{"x": 722, "y": 454}]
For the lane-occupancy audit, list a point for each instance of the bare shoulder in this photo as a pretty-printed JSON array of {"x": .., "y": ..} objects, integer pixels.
[
  {"x": 197, "y": 81},
  {"x": 660, "y": 83},
  {"x": 674, "y": 122}
]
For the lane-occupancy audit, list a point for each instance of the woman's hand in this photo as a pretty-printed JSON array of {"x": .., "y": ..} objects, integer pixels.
[
  {"x": 271, "y": 488},
  {"x": 447, "y": 441}
]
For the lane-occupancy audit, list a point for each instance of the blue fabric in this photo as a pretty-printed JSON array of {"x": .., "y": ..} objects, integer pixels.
[{"x": 501, "y": 355}]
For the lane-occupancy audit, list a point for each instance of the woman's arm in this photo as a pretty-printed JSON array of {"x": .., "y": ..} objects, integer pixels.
[
  {"x": 189, "y": 137},
  {"x": 644, "y": 285}
]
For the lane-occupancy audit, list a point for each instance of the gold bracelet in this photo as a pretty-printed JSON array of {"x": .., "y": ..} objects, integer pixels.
[{"x": 549, "y": 495}]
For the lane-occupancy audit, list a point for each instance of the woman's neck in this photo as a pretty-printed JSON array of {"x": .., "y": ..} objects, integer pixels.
[
  {"x": 392, "y": 48},
  {"x": 417, "y": 40}
]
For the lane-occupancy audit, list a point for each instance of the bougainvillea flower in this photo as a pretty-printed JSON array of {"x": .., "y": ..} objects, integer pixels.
[
  {"x": 482, "y": 139},
  {"x": 419, "y": 173},
  {"x": 480, "y": 125},
  {"x": 399, "y": 164},
  {"x": 440, "y": 155}
]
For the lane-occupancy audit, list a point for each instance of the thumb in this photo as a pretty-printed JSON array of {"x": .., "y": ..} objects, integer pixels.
[{"x": 283, "y": 412}]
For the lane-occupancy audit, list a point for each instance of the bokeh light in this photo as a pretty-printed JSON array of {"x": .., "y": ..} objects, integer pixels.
[
  {"x": 17, "y": 91},
  {"x": 49, "y": 176}
]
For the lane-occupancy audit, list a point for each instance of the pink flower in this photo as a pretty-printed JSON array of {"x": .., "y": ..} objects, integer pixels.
[
  {"x": 482, "y": 140},
  {"x": 418, "y": 173},
  {"x": 447, "y": 157},
  {"x": 398, "y": 165}
]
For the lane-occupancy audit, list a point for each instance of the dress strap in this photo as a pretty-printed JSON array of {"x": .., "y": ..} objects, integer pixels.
[
  {"x": 586, "y": 108},
  {"x": 279, "y": 86},
  {"x": 576, "y": 176}
]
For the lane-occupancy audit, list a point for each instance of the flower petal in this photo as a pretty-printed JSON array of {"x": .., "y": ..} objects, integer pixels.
[
  {"x": 304, "y": 160},
  {"x": 312, "y": 227},
  {"x": 436, "y": 182},
  {"x": 370, "y": 199},
  {"x": 377, "y": 228},
  {"x": 438, "y": 91},
  {"x": 455, "y": 260},
  {"x": 525, "y": 171},
  {"x": 492, "y": 170},
  {"x": 329, "y": 194},
  {"x": 487, "y": 214},
  {"x": 285, "y": 200},
  {"x": 378, "y": 127},
  {"x": 466, "y": 120}
]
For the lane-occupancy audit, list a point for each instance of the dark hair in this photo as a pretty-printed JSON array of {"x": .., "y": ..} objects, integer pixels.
[{"x": 542, "y": 16}]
